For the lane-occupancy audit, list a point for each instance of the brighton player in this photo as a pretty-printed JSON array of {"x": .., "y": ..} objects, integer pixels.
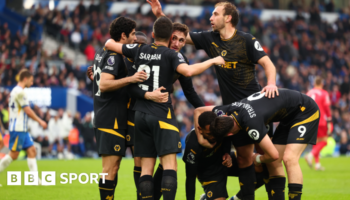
[
  {"x": 19, "y": 113},
  {"x": 324, "y": 128}
]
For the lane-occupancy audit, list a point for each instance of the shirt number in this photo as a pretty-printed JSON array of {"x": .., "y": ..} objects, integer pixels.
[
  {"x": 97, "y": 71},
  {"x": 147, "y": 69},
  {"x": 302, "y": 130}
]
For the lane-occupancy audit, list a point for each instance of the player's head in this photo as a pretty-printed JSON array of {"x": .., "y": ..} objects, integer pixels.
[
  {"x": 141, "y": 37},
  {"x": 318, "y": 82},
  {"x": 162, "y": 29},
  {"x": 178, "y": 39},
  {"x": 122, "y": 30},
  {"x": 221, "y": 127},
  {"x": 224, "y": 14},
  {"x": 25, "y": 78},
  {"x": 204, "y": 122}
]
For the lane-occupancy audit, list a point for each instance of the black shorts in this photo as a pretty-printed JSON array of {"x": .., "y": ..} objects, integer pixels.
[
  {"x": 110, "y": 141},
  {"x": 300, "y": 128},
  {"x": 130, "y": 134},
  {"x": 155, "y": 136},
  {"x": 216, "y": 188}
]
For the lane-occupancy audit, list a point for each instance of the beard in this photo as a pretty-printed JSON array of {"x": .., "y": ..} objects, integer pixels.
[{"x": 219, "y": 26}]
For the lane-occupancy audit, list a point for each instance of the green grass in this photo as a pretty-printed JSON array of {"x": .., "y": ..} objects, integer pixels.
[{"x": 334, "y": 183}]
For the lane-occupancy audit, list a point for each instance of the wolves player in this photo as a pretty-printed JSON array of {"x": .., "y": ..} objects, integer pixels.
[
  {"x": 237, "y": 78},
  {"x": 18, "y": 127},
  {"x": 110, "y": 103},
  {"x": 324, "y": 128},
  {"x": 155, "y": 124},
  {"x": 298, "y": 115}
]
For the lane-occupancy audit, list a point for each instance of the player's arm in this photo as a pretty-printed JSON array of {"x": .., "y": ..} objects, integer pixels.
[
  {"x": 156, "y": 8},
  {"x": 157, "y": 95},
  {"x": 270, "y": 151},
  {"x": 197, "y": 112},
  {"x": 191, "y": 157},
  {"x": 327, "y": 110},
  {"x": 90, "y": 73},
  {"x": 189, "y": 39},
  {"x": 108, "y": 83},
  {"x": 195, "y": 69},
  {"x": 190, "y": 93},
  {"x": 227, "y": 160},
  {"x": 114, "y": 46},
  {"x": 270, "y": 71}
]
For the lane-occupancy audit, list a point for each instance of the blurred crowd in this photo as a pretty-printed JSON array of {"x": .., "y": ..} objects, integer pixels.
[{"x": 300, "y": 48}]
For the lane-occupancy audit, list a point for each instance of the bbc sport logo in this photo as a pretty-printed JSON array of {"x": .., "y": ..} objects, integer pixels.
[{"x": 49, "y": 178}]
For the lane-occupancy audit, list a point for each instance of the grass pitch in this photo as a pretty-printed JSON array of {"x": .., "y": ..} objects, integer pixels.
[{"x": 334, "y": 183}]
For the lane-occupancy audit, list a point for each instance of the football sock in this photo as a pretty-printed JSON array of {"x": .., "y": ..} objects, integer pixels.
[
  {"x": 259, "y": 182},
  {"x": 267, "y": 181},
  {"x": 137, "y": 174},
  {"x": 295, "y": 191},
  {"x": 115, "y": 181},
  {"x": 106, "y": 189},
  {"x": 32, "y": 164},
  {"x": 169, "y": 184},
  {"x": 146, "y": 187},
  {"x": 5, "y": 162},
  {"x": 317, "y": 149},
  {"x": 277, "y": 184},
  {"x": 157, "y": 179},
  {"x": 247, "y": 182}
]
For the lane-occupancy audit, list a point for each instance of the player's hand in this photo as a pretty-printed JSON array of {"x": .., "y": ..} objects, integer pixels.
[
  {"x": 158, "y": 96},
  {"x": 254, "y": 158},
  {"x": 43, "y": 124},
  {"x": 227, "y": 160},
  {"x": 219, "y": 60},
  {"x": 138, "y": 77},
  {"x": 89, "y": 73},
  {"x": 270, "y": 90},
  {"x": 205, "y": 143},
  {"x": 156, "y": 8}
]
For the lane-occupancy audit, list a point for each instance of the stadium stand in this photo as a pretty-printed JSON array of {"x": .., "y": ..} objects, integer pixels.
[{"x": 305, "y": 41}]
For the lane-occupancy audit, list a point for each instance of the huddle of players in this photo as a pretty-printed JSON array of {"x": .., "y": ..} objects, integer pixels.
[{"x": 154, "y": 68}]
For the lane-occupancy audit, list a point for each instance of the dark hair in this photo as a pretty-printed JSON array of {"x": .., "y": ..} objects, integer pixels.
[
  {"x": 220, "y": 127},
  {"x": 206, "y": 118},
  {"x": 181, "y": 27},
  {"x": 121, "y": 25},
  {"x": 162, "y": 28},
  {"x": 140, "y": 35},
  {"x": 24, "y": 73},
  {"x": 230, "y": 9}
]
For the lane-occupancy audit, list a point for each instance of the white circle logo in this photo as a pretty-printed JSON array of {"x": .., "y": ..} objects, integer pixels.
[
  {"x": 131, "y": 46},
  {"x": 254, "y": 134},
  {"x": 258, "y": 46}
]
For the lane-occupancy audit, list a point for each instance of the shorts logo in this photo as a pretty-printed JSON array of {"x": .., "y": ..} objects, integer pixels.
[
  {"x": 223, "y": 53},
  {"x": 109, "y": 67},
  {"x": 258, "y": 46},
  {"x": 111, "y": 60},
  {"x": 254, "y": 134},
  {"x": 210, "y": 194},
  {"x": 179, "y": 145},
  {"x": 117, "y": 147},
  {"x": 128, "y": 138},
  {"x": 131, "y": 46},
  {"x": 191, "y": 158}
]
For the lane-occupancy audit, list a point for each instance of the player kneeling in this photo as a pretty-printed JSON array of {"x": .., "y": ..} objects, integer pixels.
[{"x": 298, "y": 115}]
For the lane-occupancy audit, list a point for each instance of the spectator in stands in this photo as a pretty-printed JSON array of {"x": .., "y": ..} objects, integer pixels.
[{"x": 71, "y": 81}]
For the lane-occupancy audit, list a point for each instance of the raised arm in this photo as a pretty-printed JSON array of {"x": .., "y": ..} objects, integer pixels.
[
  {"x": 197, "y": 112},
  {"x": 195, "y": 69},
  {"x": 156, "y": 8}
]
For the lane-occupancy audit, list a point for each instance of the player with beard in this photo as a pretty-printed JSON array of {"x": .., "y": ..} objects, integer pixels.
[
  {"x": 237, "y": 78},
  {"x": 155, "y": 124}
]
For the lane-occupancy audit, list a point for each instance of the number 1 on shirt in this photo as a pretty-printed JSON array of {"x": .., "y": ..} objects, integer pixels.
[{"x": 147, "y": 69}]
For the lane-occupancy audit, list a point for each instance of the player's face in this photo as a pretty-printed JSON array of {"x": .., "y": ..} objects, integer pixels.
[
  {"x": 29, "y": 82},
  {"x": 178, "y": 41},
  {"x": 206, "y": 134},
  {"x": 217, "y": 20},
  {"x": 132, "y": 37}
]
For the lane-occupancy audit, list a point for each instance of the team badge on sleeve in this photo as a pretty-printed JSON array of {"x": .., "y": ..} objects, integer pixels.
[
  {"x": 111, "y": 60},
  {"x": 254, "y": 134},
  {"x": 190, "y": 158},
  {"x": 258, "y": 46},
  {"x": 131, "y": 46},
  {"x": 181, "y": 58}
]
